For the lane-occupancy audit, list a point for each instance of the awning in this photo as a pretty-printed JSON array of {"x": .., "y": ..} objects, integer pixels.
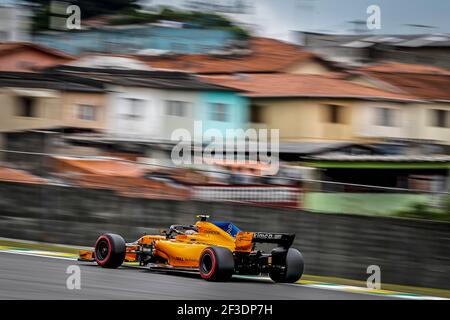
[{"x": 36, "y": 93}]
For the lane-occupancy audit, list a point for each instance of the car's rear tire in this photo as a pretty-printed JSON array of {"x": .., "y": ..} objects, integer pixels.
[
  {"x": 110, "y": 250},
  {"x": 287, "y": 265},
  {"x": 216, "y": 264}
]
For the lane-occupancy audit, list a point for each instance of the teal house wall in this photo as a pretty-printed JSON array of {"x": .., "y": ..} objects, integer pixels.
[
  {"x": 238, "y": 113},
  {"x": 131, "y": 38}
]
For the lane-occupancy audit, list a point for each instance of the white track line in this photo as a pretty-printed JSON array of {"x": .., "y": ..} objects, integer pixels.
[
  {"x": 341, "y": 288},
  {"x": 25, "y": 253}
]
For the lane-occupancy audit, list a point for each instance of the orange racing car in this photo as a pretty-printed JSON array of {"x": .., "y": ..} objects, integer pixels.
[{"x": 215, "y": 249}]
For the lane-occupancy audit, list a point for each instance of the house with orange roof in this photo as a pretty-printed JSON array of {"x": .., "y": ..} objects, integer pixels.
[
  {"x": 429, "y": 118},
  {"x": 263, "y": 55},
  {"x": 408, "y": 68},
  {"x": 46, "y": 101},
  {"x": 29, "y": 57},
  {"x": 34, "y": 103},
  {"x": 322, "y": 108},
  {"x": 126, "y": 178},
  {"x": 103, "y": 166},
  {"x": 150, "y": 105}
]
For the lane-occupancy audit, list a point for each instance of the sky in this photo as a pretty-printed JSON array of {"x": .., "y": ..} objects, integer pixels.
[{"x": 276, "y": 18}]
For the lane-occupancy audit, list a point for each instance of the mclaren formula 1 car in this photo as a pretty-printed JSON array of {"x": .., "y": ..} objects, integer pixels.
[{"x": 215, "y": 249}]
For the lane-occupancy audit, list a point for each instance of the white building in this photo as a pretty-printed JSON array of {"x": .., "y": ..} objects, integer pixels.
[
  {"x": 14, "y": 21},
  {"x": 141, "y": 113}
]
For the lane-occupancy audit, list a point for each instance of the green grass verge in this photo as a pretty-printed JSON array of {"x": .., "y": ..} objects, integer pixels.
[
  {"x": 39, "y": 246},
  {"x": 384, "y": 286}
]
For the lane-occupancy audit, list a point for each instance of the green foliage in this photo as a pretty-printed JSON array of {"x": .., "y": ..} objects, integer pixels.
[
  {"x": 89, "y": 8},
  {"x": 127, "y": 13},
  {"x": 193, "y": 18},
  {"x": 447, "y": 205},
  {"x": 41, "y": 19},
  {"x": 239, "y": 32},
  {"x": 133, "y": 17},
  {"x": 424, "y": 211}
]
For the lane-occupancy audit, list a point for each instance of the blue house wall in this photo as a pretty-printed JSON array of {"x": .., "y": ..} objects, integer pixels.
[{"x": 131, "y": 38}]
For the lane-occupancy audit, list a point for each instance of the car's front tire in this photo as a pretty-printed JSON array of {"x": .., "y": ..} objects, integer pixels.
[
  {"x": 216, "y": 264},
  {"x": 110, "y": 250},
  {"x": 287, "y": 265}
]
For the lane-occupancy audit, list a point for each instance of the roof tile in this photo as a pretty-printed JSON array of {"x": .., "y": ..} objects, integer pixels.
[
  {"x": 266, "y": 55},
  {"x": 300, "y": 85},
  {"x": 397, "y": 67},
  {"x": 423, "y": 81}
]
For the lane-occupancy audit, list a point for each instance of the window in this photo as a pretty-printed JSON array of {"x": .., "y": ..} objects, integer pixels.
[
  {"x": 439, "y": 118},
  {"x": 334, "y": 113},
  {"x": 176, "y": 108},
  {"x": 133, "y": 108},
  {"x": 86, "y": 112},
  {"x": 219, "y": 112},
  {"x": 26, "y": 107},
  {"x": 385, "y": 117},
  {"x": 255, "y": 114}
]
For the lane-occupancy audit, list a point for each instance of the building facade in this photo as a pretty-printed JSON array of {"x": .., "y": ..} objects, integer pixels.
[
  {"x": 148, "y": 106},
  {"x": 155, "y": 114},
  {"x": 14, "y": 21},
  {"x": 361, "y": 49},
  {"x": 36, "y": 101},
  {"x": 427, "y": 119},
  {"x": 133, "y": 38},
  {"x": 323, "y": 108}
]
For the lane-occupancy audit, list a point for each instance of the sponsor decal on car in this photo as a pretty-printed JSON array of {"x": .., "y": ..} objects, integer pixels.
[{"x": 267, "y": 236}]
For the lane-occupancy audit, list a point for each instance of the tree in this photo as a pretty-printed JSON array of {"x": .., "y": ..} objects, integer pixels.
[
  {"x": 89, "y": 8},
  {"x": 127, "y": 13}
]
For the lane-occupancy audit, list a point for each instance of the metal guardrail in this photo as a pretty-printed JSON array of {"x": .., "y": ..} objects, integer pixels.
[{"x": 272, "y": 195}]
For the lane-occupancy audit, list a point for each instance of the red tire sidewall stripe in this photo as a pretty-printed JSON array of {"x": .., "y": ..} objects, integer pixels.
[
  {"x": 104, "y": 261},
  {"x": 213, "y": 268}
]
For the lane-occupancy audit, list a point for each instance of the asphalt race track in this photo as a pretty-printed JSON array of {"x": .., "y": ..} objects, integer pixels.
[{"x": 31, "y": 277}]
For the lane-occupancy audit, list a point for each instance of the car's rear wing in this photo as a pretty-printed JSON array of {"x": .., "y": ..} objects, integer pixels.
[
  {"x": 282, "y": 239},
  {"x": 245, "y": 240}
]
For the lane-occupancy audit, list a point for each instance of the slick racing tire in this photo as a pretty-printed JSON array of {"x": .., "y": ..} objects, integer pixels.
[
  {"x": 110, "y": 251},
  {"x": 216, "y": 264},
  {"x": 287, "y": 265}
]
